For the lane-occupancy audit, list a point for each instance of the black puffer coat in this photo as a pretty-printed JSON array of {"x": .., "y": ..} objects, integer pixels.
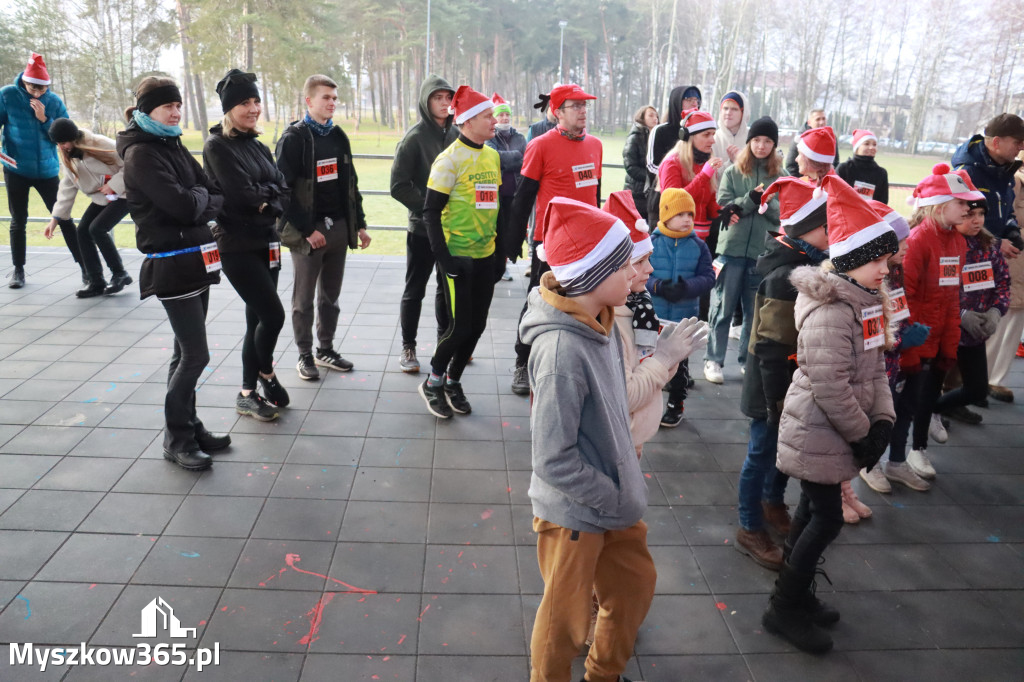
[
  {"x": 634, "y": 157},
  {"x": 866, "y": 169}
]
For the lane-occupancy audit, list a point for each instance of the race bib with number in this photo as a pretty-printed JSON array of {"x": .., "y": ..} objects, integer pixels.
[
  {"x": 486, "y": 195},
  {"x": 211, "y": 256},
  {"x": 584, "y": 175},
  {"x": 327, "y": 169},
  {"x": 9, "y": 160},
  {"x": 275, "y": 254},
  {"x": 865, "y": 188},
  {"x": 874, "y": 327},
  {"x": 717, "y": 266},
  {"x": 979, "y": 276},
  {"x": 898, "y": 308},
  {"x": 949, "y": 271}
]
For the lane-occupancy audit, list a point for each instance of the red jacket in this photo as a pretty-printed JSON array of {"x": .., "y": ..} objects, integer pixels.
[
  {"x": 931, "y": 303},
  {"x": 670, "y": 174}
]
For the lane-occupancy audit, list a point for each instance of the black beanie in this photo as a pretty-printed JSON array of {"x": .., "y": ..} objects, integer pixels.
[
  {"x": 764, "y": 126},
  {"x": 236, "y": 87},
  {"x": 63, "y": 130}
]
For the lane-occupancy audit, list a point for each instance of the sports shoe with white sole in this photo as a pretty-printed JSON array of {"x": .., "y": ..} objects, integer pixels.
[
  {"x": 936, "y": 430},
  {"x": 713, "y": 372},
  {"x": 876, "y": 480},
  {"x": 902, "y": 473},
  {"x": 919, "y": 462}
]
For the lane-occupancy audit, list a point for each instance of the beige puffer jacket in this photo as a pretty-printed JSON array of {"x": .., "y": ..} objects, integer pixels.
[
  {"x": 1016, "y": 265},
  {"x": 840, "y": 389},
  {"x": 644, "y": 382}
]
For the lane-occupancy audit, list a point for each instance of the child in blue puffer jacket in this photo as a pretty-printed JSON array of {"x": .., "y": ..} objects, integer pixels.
[{"x": 682, "y": 274}]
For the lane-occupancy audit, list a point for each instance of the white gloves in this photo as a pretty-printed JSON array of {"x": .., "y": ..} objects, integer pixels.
[{"x": 678, "y": 340}]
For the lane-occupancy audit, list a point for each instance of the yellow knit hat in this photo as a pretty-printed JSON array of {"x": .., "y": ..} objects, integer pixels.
[{"x": 673, "y": 202}]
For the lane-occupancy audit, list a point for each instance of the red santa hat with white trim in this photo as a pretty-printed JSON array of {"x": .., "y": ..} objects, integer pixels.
[
  {"x": 945, "y": 184},
  {"x": 621, "y": 205},
  {"x": 818, "y": 144},
  {"x": 694, "y": 121},
  {"x": 467, "y": 103},
  {"x": 897, "y": 222},
  {"x": 862, "y": 136},
  {"x": 582, "y": 244},
  {"x": 856, "y": 234},
  {"x": 800, "y": 211},
  {"x": 35, "y": 71}
]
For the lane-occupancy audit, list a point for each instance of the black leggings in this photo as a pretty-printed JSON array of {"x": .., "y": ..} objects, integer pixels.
[
  {"x": 468, "y": 298},
  {"x": 17, "y": 187},
  {"x": 537, "y": 268},
  {"x": 191, "y": 356},
  {"x": 256, "y": 283},
  {"x": 816, "y": 523},
  {"x": 94, "y": 233},
  {"x": 973, "y": 363},
  {"x": 915, "y": 404},
  {"x": 678, "y": 385}
]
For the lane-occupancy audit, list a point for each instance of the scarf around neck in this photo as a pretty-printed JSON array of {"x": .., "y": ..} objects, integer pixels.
[
  {"x": 153, "y": 127},
  {"x": 321, "y": 129},
  {"x": 569, "y": 136},
  {"x": 814, "y": 253},
  {"x": 645, "y": 322}
]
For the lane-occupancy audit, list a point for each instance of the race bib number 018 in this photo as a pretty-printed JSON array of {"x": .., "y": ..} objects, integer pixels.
[
  {"x": 211, "y": 256},
  {"x": 486, "y": 195},
  {"x": 584, "y": 175},
  {"x": 874, "y": 327},
  {"x": 949, "y": 271},
  {"x": 327, "y": 169},
  {"x": 979, "y": 276},
  {"x": 898, "y": 308}
]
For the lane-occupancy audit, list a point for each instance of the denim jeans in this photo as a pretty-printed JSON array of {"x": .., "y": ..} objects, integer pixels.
[
  {"x": 759, "y": 479},
  {"x": 737, "y": 283}
]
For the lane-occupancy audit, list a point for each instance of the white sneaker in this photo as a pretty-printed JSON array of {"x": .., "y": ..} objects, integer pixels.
[
  {"x": 902, "y": 473},
  {"x": 918, "y": 461},
  {"x": 734, "y": 332},
  {"x": 713, "y": 372},
  {"x": 936, "y": 430},
  {"x": 876, "y": 480}
]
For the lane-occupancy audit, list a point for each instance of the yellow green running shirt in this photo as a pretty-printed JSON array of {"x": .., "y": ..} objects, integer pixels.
[{"x": 470, "y": 177}]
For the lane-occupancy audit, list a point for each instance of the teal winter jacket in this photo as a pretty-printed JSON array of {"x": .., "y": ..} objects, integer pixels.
[{"x": 25, "y": 138}]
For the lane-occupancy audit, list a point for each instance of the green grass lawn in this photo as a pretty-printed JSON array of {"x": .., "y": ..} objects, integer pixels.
[{"x": 374, "y": 174}]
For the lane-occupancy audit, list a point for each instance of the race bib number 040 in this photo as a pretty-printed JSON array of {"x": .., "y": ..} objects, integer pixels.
[{"x": 584, "y": 175}]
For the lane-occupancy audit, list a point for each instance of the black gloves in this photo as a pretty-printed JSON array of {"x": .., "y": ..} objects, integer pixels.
[
  {"x": 869, "y": 449},
  {"x": 454, "y": 266},
  {"x": 673, "y": 292},
  {"x": 726, "y": 213},
  {"x": 755, "y": 195},
  {"x": 774, "y": 412}
]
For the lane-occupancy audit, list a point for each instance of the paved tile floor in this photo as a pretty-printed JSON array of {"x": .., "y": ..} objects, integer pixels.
[{"x": 357, "y": 538}]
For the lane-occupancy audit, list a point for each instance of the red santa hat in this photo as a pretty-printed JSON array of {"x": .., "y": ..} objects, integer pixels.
[
  {"x": 897, "y": 222},
  {"x": 582, "y": 244},
  {"x": 695, "y": 120},
  {"x": 560, "y": 93},
  {"x": 861, "y": 136},
  {"x": 621, "y": 205},
  {"x": 500, "y": 105},
  {"x": 800, "y": 210},
  {"x": 856, "y": 233},
  {"x": 467, "y": 103},
  {"x": 35, "y": 71},
  {"x": 818, "y": 144},
  {"x": 945, "y": 184}
]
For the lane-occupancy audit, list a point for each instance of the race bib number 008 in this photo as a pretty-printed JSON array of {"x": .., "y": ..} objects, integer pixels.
[
  {"x": 584, "y": 175},
  {"x": 979, "y": 276}
]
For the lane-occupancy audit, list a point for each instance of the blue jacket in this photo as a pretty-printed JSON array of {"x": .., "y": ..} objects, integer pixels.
[
  {"x": 673, "y": 259},
  {"x": 24, "y": 138},
  {"x": 994, "y": 181}
]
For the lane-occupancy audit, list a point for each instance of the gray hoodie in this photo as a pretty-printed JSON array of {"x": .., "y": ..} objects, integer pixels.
[{"x": 586, "y": 475}]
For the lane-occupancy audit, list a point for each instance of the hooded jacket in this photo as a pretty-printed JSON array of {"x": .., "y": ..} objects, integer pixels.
[
  {"x": 416, "y": 152},
  {"x": 510, "y": 145},
  {"x": 745, "y": 239},
  {"x": 249, "y": 178},
  {"x": 171, "y": 200},
  {"x": 586, "y": 475},
  {"x": 866, "y": 169},
  {"x": 25, "y": 138},
  {"x": 791, "y": 165},
  {"x": 840, "y": 389},
  {"x": 724, "y": 138},
  {"x": 994, "y": 181},
  {"x": 91, "y": 173},
  {"x": 665, "y": 135}
]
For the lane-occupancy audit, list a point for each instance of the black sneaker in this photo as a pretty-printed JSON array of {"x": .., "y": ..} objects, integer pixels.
[
  {"x": 456, "y": 398},
  {"x": 117, "y": 283},
  {"x": 307, "y": 367},
  {"x": 962, "y": 414},
  {"x": 435, "y": 399},
  {"x": 92, "y": 289},
  {"x": 17, "y": 278},
  {"x": 255, "y": 406},
  {"x": 327, "y": 357},
  {"x": 521, "y": 381},
  {"x": 273, "y": 391},
  {"x": 673, "y": 415}
]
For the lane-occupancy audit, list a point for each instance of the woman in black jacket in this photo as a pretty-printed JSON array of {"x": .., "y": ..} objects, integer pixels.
[
  {"x": 634, "y": 155},
  {"x": 249, "y": 245},
  {"x": 172, "y": 201},
  {"x": 862, "y": 172}
]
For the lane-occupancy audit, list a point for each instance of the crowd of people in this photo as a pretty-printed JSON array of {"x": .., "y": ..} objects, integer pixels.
[{"x": 858, "y": 329}]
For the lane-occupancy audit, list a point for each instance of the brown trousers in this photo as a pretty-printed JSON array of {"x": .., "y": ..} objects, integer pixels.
[{"x": 614, "y": 564}]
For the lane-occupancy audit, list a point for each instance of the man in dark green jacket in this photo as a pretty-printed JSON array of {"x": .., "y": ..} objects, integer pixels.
[{"x": 414, "y": 156}]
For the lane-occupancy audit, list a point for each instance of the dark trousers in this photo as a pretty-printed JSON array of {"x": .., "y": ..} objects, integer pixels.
[
  {"x": 419, "y": 263},
  {"x": 191, "y": 356},
  {"x": 17, "y": 203},
  {"x": 973, "y": 364},
  {"x": 256, "y": 283},
  {"x": 816, "y": 523},
  {"x": 320, "y": 274},
  {"x": 468, "y": 300},
  {"x": 94, "y": 233},
  {"x": 677, "y": 385},
  {"x": 537, "y": 268},
  {"x": 914, "y": 405}
]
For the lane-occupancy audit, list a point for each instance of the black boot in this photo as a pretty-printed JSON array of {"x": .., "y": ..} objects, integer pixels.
[
  {"x": 209, "y": 442},
  {"x": 117, "y": 283},
  {"x": 17, "y": 278},
  {"x": 821, "y": 613},
  {"x": 193, "y": 461},
  {"x": 92, "y": 289},
  {"x": 787, "y": 616}
]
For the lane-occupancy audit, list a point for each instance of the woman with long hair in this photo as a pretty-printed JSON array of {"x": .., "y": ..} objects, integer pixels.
[{"x": 634, "y": 154}]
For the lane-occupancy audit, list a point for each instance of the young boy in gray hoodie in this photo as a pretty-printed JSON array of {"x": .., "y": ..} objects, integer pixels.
[{"x": 587, "y": 489}]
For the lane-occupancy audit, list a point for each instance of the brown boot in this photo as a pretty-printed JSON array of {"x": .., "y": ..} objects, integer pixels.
[
  {"x": 758, "y": 546},
  {"x": 851, "y": 500},
  {"x": 777, "y": 516}
]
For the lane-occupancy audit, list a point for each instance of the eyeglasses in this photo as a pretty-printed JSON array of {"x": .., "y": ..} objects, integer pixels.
[
  {"x": 32, "y": 87},
  {"x": 578, "y": 106}
]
